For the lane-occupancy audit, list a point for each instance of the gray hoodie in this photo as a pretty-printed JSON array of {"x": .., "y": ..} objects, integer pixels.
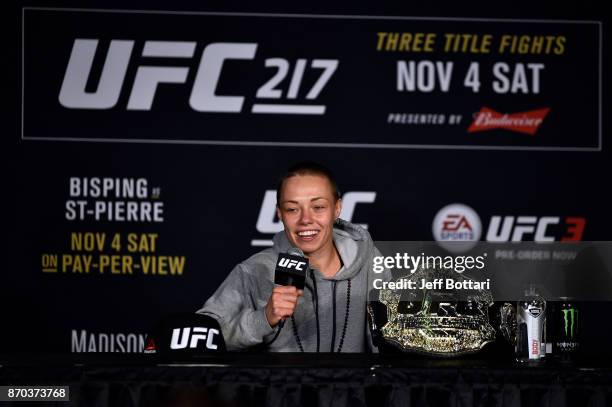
[{"x": 239, "y": 303}]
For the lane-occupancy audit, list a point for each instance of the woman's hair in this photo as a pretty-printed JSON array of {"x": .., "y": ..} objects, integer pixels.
[{"x": 308, "y": 168}]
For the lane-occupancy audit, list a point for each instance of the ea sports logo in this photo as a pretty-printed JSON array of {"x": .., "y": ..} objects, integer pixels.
[{"x": 457, "y": 228}]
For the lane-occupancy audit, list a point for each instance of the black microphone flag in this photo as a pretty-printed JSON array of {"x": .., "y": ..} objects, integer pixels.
[{"x": 291, "y": 269}]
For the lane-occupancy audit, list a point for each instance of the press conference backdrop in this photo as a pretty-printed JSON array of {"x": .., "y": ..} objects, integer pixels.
[{"x": 148, "y": 144}]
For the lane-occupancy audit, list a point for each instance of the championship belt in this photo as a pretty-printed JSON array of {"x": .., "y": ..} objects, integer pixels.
[{"x": 441, "y": 322}]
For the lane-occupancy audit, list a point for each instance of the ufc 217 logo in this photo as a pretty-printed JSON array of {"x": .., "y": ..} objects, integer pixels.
[
  {"x": 290, "y": 263},
  {"x": 189, "y": 337},
  {"x": 204, "y": 96}
]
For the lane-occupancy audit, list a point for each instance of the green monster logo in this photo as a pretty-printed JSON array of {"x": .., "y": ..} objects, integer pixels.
[{"x": 570, "y": 318}]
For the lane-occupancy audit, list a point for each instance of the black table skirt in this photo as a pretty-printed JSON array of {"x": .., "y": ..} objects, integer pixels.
[{"x": 310, "y": 380}]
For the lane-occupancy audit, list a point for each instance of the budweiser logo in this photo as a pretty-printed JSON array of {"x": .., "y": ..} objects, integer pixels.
[
  {"x": 150, "y": 346},
  {"x": 523, "y": 122}
]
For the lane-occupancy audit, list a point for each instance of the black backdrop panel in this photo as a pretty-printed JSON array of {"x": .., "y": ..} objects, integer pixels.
[
  {"x": 80, "y": 279},
  {"x": 368, "y": 81}
]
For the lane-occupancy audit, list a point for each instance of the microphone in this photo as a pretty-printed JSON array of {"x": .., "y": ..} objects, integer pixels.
[
  {"x": 291, "y": 268},
  {"x": 185, "y": 334}
]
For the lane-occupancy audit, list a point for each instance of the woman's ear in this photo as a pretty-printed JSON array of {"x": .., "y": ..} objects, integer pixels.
[{"x": 338, "y": 209}]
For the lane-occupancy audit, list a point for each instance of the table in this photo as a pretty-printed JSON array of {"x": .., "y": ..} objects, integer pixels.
[{"x": 283, "y": 379}]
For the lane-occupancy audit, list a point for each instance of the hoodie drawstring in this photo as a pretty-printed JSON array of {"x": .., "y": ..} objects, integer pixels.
[
  {"x": 315, "y": 299},
  {"x": 346, "y": 315},
  {"x": 316, "y": 305},
  {"x": 333, "y": 338}
]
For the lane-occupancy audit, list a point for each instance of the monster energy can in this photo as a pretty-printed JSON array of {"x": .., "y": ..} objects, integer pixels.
[{"x": 567, "y": 328}]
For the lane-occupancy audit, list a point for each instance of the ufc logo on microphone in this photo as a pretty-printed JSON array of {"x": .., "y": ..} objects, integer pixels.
[
  {"x": 288, "y": 263},
  {"x": 189, "y": 337}
]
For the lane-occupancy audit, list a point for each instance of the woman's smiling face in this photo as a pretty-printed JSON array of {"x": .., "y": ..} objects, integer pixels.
[{"x": 308, "y": 210}]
